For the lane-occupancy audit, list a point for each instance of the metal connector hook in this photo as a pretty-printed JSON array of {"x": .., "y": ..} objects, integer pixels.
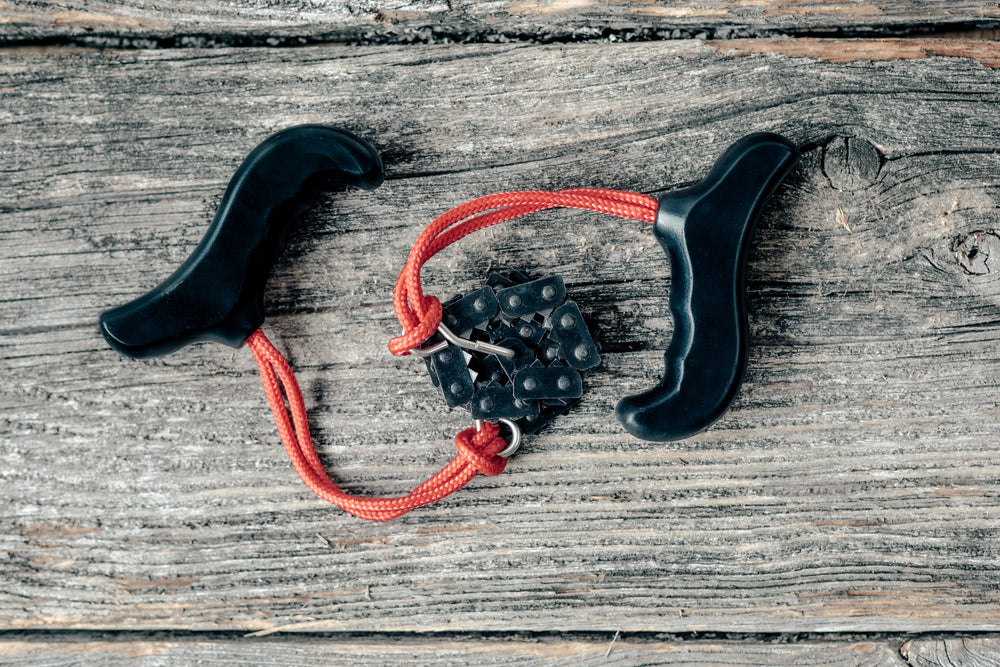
[{"x": 464, "y": 343}]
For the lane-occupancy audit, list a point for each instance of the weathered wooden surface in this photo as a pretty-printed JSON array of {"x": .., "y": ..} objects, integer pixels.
[
  {"x": 550, "y": 652},
  {"x": 187, "y": 23},
  {"x": 852, "y": 487}
]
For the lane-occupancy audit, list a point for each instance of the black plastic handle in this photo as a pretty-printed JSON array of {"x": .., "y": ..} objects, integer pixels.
[
  {"x": 706, "y": 231},
  {"x": 218, "y": 293}
]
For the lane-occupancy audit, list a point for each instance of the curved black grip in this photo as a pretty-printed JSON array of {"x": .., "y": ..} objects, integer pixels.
[
  {"x": 706, "y": 231},
  {"x": 218, "y": 293}
]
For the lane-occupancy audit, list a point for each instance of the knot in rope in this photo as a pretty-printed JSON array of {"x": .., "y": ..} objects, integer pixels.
[
  {"x": 479, "y": 449},
  {"x": 420, "y": 324}
]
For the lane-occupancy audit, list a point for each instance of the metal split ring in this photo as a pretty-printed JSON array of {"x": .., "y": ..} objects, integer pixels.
[{"x": 515, "y": 437}]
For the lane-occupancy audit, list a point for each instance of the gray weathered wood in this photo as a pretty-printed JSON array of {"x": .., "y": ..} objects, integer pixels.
[
  {"x": 853, "y": 486},
  {"x": 138, "y": 22},
  {"x": 420, "y": 651}
]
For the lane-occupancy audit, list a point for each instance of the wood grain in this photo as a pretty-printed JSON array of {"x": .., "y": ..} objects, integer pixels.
[
  {"x": 228, "y": 22},
  {"x": 550, "y": 652},
  {"x": 852, "y": 487}
]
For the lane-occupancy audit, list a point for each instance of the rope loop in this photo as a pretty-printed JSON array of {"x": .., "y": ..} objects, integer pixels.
[
  {"x": 477, "y": 451},
  {"x": 420, "y": 315}
]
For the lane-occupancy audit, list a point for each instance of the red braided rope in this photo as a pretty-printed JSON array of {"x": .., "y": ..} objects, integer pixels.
[
  {"x": 420, "y": 316},
  {"x": 477, "y": 451}
]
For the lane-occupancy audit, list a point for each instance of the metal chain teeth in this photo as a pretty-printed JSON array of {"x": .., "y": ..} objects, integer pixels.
[{"x": 547, "y": 345}]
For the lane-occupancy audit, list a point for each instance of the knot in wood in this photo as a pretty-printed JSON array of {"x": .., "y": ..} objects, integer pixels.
[
  {"x": 851, "y": 163},
  {"x": 979, "y": 253}
]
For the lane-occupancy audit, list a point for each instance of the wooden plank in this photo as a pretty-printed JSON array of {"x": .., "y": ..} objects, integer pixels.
[
  {"x": 422, "y": 651},
  {"x": 229, "y": 22},
  {"x": 851, "y": 487}
]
